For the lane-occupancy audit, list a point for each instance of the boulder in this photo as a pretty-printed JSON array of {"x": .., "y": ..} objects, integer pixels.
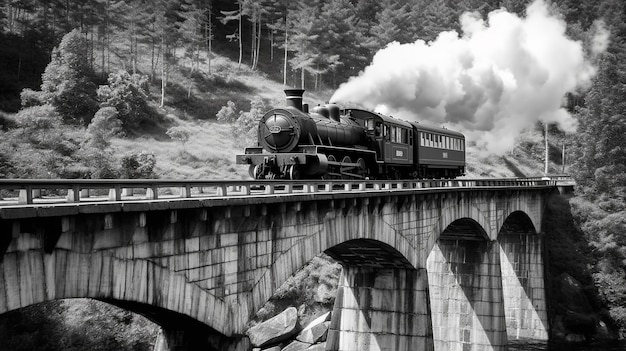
[
  {"x": 275, "y": 329},
  {"x": 315, "y": 331},
  {"x": 296, "y": 346}
]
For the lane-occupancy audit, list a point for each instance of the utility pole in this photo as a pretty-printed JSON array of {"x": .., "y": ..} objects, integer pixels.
[
  {"x": 563, "y": 159},
  {"x": 545, "y": 172}
]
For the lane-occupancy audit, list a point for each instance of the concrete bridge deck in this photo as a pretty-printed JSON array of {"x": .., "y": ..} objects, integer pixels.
[{"x": 434, "y": 265}]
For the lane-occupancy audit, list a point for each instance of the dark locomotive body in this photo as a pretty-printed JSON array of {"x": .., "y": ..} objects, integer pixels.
[{"x": 349, "y": 144}]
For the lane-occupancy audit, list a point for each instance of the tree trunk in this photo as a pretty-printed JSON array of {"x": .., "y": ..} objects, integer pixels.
[
  {"x": 285, "y": 63},
  {"x": 153, "y": 62},
  {"x": 163, "y": 68},
  {"x": 208, "y": 32},
  {"x": 253, "y": 44},
  {"x": 258, "y": 44},
  {"x": 240, "y": 35}
]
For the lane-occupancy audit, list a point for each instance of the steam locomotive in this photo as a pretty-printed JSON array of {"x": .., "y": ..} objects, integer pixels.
[{"x": 351, "y": 143}]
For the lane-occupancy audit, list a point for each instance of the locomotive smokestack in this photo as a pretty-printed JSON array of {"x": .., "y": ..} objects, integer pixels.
[{"x": 294, "y": 98}]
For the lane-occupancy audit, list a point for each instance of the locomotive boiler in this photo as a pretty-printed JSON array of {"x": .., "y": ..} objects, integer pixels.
[{"x": 350, "y": 143}]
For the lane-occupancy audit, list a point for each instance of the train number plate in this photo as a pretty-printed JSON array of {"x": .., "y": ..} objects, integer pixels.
[{"x": 399, "y": 153}]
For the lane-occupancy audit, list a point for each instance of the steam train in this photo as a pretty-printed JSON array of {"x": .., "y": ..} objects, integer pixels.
[{"x": 351, "y": 143}]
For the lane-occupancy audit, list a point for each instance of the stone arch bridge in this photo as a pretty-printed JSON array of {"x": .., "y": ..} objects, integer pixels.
[{"x": 427, "y": 265}]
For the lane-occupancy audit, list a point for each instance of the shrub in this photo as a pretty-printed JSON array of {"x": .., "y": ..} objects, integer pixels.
[
  {"x": 104, "y": 126},
  {"x": 180, "y": 134},
  {"x": 31, "y": 98},
  {"x": 228, "y": 113},
  {"x": 135, "y": 166},
  {"x": 128, "y": 94},
  {"x": 37, "y": 122},
  {"x": 245, "y": 127}
]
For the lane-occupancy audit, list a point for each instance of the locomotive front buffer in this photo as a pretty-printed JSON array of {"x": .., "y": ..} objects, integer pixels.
[{"x": 293, "y": 165}]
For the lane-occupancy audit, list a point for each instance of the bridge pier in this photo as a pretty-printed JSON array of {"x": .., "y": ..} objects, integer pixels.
[
  {"x": 523, "y": 286},
  {"x": 466, "y": 296},
  {"x": 381, "y": 309}
]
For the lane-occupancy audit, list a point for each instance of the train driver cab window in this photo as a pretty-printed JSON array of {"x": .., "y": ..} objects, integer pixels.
[
  {"x": 386, "y": 132},
  {"x": 378, "y": 129},
  {"x": 369, "y": 124}
]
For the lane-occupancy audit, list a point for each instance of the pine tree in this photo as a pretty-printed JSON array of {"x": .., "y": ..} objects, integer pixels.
[
  {"x": 391, "y": 25},
  {"x": 601, "y": 164},
  {"x": 235, "y": 15},
  {"x": 340, "y": 42},
  {"x": 191, "y": 32},
  {"x": 435, "y": 18}
]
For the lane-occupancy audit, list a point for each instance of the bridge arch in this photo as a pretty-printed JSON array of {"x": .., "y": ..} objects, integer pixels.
[
  {"x": 467, "y": 212},
  {"x": 33, "y": 277},
  {"x": 464, "y": 229},
  {"x": 335, "y": 234}
]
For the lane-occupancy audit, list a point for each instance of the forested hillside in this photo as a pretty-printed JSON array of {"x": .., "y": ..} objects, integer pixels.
[{"x": 172, "y": 89}]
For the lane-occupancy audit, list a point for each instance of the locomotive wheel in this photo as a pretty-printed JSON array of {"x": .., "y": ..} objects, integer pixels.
[
  {"x": 294, "y": 172},
  {"x": 255, "y": 171},
  {"x": 361, "y": 169},
  {"x": 346, "y": 171},
  {"x": 334, "y": 172}
]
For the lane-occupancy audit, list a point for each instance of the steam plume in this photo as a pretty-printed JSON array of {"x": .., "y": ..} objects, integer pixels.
[{"x": 491, "y": 82}]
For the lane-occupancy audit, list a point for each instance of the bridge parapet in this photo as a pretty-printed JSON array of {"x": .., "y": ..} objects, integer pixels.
[{"x": 56, "y": 191}]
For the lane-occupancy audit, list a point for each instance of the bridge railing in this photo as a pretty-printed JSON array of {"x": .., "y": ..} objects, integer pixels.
[{"x": 50, "y": 191}]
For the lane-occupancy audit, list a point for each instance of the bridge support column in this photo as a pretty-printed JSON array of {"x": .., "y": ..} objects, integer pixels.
[
  {"x": 521, "y": 257},
  {"x": 381, "y": 309},
  {"x": 466, "y": 296}
]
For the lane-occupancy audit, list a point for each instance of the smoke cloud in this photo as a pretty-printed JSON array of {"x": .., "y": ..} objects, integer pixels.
[{"x": 496, "y": 79}]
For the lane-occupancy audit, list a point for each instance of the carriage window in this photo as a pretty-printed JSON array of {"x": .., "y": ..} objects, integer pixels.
[
  {"x": 386, "y": 132},
  {"x": 399, "y": 135}
]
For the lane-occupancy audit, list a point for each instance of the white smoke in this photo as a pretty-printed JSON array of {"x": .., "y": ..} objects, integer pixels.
[{"x": 496, "y": 79}]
